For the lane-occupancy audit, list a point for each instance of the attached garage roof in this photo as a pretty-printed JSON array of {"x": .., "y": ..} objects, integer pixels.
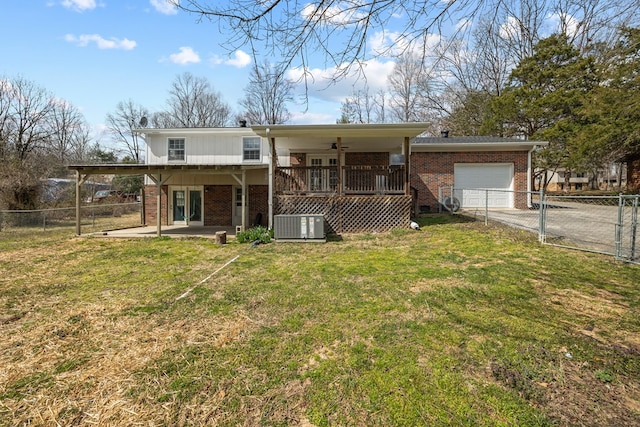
[{"x": 473, "y": 143}]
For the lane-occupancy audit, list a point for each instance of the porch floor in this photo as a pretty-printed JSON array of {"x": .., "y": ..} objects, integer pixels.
[{"x": 173, "y": 231}]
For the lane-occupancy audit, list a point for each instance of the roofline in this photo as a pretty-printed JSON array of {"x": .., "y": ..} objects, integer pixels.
[
  {"x": 476, "y": 146},
  {"x": 139, "y": 169},
  {"x": 342, "y": 130},
  {"x": 160, "y": 131}
]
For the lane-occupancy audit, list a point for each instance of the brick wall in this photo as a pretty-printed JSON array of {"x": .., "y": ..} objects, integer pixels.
[
  {"x": 150, "y": 206},
  {"x": 633, "y": 174},
  {"x": 258, "y": 203},
  {"x": 218, "y": 205},
  {"x": 430, "y": 171},
  {"x": 368, "y": 159}
]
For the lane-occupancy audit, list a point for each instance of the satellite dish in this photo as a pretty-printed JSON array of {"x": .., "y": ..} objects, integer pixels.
[{"x": 143, "y": 122}]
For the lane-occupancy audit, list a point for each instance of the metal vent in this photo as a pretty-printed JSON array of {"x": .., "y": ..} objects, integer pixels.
[{"x": 299, "y": 227}]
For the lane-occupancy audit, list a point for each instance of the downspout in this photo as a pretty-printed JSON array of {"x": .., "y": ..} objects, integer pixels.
[
  {"x": 529, "y": 176},
  {"x": 272, "y": 165}
]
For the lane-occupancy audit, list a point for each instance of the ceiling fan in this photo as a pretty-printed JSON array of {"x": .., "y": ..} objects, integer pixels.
[{"x": 334, "y": 146}]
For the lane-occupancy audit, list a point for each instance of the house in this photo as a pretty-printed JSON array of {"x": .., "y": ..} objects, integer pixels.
[
  {"x": 360, "y": 177},
  {"x": 603, "y": 179}
]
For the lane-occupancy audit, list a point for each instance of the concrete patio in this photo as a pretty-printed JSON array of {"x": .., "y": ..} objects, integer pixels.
[{"x": 172, "y": 231}]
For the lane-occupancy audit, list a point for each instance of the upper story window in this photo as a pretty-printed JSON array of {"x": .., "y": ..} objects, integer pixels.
[
  {"x": 176, "y": 149},
  {"x": 251, "y": 148}
]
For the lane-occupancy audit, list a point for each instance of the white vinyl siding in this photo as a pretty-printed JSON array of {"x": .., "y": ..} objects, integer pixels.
[
  {"x": 471, "y": 179},
  {"x": 206, "y": 148}
]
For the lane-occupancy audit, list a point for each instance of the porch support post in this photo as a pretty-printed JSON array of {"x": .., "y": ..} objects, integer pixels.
[
  {"x": 407, "y": 154},
  {"x": 244, "y": 199},
  {"x": 158, "y": 180},
  {"x": 80, "y": 179},
  {"x": 339, "y": 164},
  {"x": 159, "y": 205}
]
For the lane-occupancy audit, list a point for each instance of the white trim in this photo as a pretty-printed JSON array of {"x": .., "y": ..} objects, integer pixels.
[
  {"x": 184, "y": 142},
  {"x": 186, "y": 189},
  {"x": 252, "y": 161}
]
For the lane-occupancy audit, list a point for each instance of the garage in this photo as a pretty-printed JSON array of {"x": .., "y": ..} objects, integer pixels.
[{"x": 471, "y": 179}]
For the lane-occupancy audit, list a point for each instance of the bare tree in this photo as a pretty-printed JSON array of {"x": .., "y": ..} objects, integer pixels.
[
  {"x": 121, "y": 124},
  {"x": 409, "y": 88},
  {"x": 69, "y": 134},
  {"x": 25, "y": 109},
  {"x": 193, "y": 103},
  {"x": 340, "y": 30},
  {"x": 362, "y": 107},
  {"x": 266, "y": 96}
]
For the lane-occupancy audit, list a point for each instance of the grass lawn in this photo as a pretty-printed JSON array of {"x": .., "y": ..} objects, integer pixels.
[{"x": 457, "y": 324}]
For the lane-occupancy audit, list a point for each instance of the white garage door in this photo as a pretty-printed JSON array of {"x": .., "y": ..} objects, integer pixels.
[{"x": 470, "y": 179}]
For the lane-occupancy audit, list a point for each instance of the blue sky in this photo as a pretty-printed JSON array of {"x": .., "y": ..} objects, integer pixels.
[{"x": 96, "y": 53}]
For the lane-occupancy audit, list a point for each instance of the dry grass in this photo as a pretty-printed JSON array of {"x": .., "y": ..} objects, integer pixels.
[{"x": 393, "y": 329}]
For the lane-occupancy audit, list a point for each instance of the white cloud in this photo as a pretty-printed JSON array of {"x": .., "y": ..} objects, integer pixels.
[
  {"x": 391, "y": 44},
  {"x": 564, "y": 23},
  {"x": 102, "y": 43},
  {"x": 343, "y": 13},
  {"x": 240, "y": 59},
  {"x": 308, "y": 118},
  {"x": 166, "y": 7},
  {"x": 186, "y": 56},
  {"x": 79, "y": 5},
  {"x": 321, "y": 83}
]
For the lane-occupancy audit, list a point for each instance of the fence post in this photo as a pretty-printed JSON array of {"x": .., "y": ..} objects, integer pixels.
[
  {"x": 440, "y": 200},
  {"x": 486, "y": 207},
  {"x": 44, "y": 220},
  {"x": 451, "y": 196},
  {"x": 619, "y": 225},
  {"x": 634, "y": 227},
  {"x": 541, "y": 219}
]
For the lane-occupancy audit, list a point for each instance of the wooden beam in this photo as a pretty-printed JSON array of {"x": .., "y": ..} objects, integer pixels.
[
  {"x": 407, "y": 176},
  {"x": 339, "y": 164},
  {"x": 80, "y": 179}
]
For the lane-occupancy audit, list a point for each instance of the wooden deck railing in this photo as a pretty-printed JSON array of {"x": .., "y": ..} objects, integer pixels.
[{"x": 352, "y": 180}]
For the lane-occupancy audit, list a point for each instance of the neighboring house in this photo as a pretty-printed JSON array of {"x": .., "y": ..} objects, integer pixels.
[
  {"x": 604, "y": 179},
  {"x": 360, "y": 177}
]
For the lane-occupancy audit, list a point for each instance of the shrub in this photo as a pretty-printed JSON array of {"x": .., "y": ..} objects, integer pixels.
[{"x": 263, "y": 234}]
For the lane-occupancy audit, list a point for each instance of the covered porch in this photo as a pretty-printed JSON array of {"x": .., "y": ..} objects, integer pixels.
[
  {"x": 165, "y": 177},
  {"x": 356, "y": 175}
]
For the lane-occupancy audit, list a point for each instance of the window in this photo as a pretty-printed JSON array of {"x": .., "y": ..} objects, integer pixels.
[
  {"x": 176, "y": 149},
  {"x": 251, "y": 149}
]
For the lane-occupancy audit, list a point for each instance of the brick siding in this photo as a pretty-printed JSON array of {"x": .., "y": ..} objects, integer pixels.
[
  {"x": 430, "y": 171},
  {"x": 258, "y": 203},
  {"x": 633, "y": 174},
  {"x": 150, "y": 206},
  {"x": 366, "y": 159},
  {"x": 218, "y": 205}
]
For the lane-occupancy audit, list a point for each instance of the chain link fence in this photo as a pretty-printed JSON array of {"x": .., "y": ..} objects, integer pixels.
[
  {"x": 93, "y": 218},
  {"x": 602, "y": 224}
]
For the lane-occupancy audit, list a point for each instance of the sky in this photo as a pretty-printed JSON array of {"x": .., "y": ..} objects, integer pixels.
[{"x": 96, "y": 53}]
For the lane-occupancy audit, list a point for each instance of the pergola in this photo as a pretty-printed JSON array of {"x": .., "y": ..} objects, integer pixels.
[{"x": 159, "y": 174}]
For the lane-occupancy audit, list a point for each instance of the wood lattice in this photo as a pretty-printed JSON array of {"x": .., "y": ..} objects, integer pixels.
[{"x": 350, "y": 214}]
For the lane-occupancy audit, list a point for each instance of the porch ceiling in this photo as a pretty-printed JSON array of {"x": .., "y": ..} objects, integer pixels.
[{"x": 354, "y": 137}]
